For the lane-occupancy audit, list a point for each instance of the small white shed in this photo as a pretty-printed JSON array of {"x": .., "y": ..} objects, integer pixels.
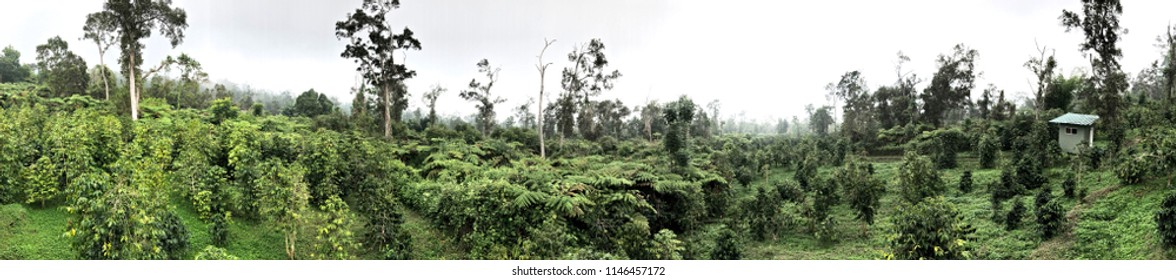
[{"x": 1074, "y": 130}]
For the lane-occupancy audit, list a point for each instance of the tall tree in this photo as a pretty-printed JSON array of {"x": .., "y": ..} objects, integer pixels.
[
  {"x": 430, "y": 99},
  {"x": 714, "y": 107},
  {"x": 857, "y": 122},
  {"x": 951, "y": 85},
  {"x": 191, "y": 76},
  {"x": 542, "y": 67},
  {"x": 103, "y": 30},
  {"x": 134, "y": 21},
  {"x": 480, "y": 92},
  {"x": 587, "y": 78},
  {"x": 1099, "y": 23},
  {"x": 820, "y": 120},
  {"x": 372, "y": 44},
  {"x": 524, "y": 116},
  {"x": 311, "y": 103},
  {"x": 11, "y": 71},
  {"x": 1043, "y": 68},
  {"x": 65, "y": 71},
  {"x": 984, "y": 105},
  {"x": 1168, "y": 43}
]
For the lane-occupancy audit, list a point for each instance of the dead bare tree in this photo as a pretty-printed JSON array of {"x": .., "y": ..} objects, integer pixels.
[{"x": 542, "y": 74}]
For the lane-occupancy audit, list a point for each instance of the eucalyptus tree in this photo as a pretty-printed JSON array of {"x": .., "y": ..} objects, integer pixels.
[
  {"x": 480, "y": 92},
  {"x": 430, "y": 99},
  {"x": 372, "y": 44},
  {"x": 542, "y": 67},
  {"x": 951, "y": 85},
  {"x": 1043, "y": 68},
  {"x": 134, "y": 21},
  {"x": 1099, "y": 23},
  {"x": 102, "y": 29},
  {"x": 587, "y": 78}
]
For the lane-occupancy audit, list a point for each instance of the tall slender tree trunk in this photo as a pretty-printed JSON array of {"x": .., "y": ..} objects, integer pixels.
[
  {"x": 105, "y": 83},
  {"x": 134, "y": 93},
  {"x": 542, "y": 146},
  {"x": 387, "y": 113}
]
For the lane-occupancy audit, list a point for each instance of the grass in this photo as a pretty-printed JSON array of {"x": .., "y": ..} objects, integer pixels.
[
  {"x": 1112, "y": 222},
  {"x": 33, "y": 233},
  {"x": 248, "y": 240},
  {"x": 427, "y": 242}
]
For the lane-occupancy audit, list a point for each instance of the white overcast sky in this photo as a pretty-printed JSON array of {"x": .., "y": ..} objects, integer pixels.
[{"x": 768, "y": 58}]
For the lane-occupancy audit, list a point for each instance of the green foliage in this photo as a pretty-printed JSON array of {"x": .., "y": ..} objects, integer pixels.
[
  {"x": 322, "y": 154},
  {"x": 679, "y": 114},
  {"x": 918, "y": 179},
  {"x": 334, "y": 239},
  {"x": 175, "y": 238},
  {"x": 1050, "y": 217},
  {"x": 222, "y": 109},
  {"x": 1132, "y": 169},
  {"x": 942, "y": 145},
  {"x": 862, "y": 191},
  {"x": 310, "y": 104},
  {"x": 1029, "y": 173},
  {"x": 1069, "y": 186},
  {"x": 988, "y": 151},
  {"x": 806, "y": 171},
  {"x": 218, "y": 232},
  {"x": 1166, "y": 221},
  {"x": 40, "y": 180},
  {"x": 966, "y": 182},
  {"x": 283, "y": 199},
  {"x": 727, "y": 246},
  {"x": 1015, "y": 215},
  {"x": 666, "y": 246},
  {"x": 932, "y": 229},
  {"x": 821, "y": 223},
  {"x": 763, "y": 214},
  {"x": 215, "y": 253}
]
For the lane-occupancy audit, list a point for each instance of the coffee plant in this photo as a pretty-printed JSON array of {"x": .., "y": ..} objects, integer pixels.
[
  {"x": 918, "y": 179},
  {"x": 1166, "y": 220},
  {"x": 929, "y": 230}
]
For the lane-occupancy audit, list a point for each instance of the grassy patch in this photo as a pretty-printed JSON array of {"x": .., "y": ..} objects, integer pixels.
[{"x": 33, "y": 233}]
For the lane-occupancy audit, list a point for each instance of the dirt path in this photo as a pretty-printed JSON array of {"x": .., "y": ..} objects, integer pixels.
[{"x": 1056, "y": 248}]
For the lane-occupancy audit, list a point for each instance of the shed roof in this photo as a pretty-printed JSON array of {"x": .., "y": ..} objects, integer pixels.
[{"x": 1075, "y": 119}]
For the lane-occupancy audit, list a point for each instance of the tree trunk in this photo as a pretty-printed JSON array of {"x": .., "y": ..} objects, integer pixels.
[
  {"x": 387, "y": 114},
  {"x": 133, "y": 93},
  {"x": 105, "y": 83},
  {"x": 542, "y": 147}
]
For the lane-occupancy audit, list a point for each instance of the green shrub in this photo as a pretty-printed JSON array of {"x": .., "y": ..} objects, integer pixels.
[
  {"x": 1049, "y": 219},
  {"x": 862, "y": 191},
  {"x": 175, "y": 239},
  {"x": 1068, "y": 187},
  {"x": 988, "y": 150},
  {"x": 932, "y": 229},
  {"x": 1015, "y": 215},
  {"x": 219, "y": 230},
  {"x": 1132, "y": 169},
  {"x": 214, "y": 253},
  {"x": 1029, "y": 171},
  {"x": 666, "y": 246},
  {"x": 40, "y": 181},
  {"x": 918, "y": 179},
  {"x": 334, "y": 239},
  {"x": 763, "y": 214},
  {"x": 727, "y": 246},
  {"x": 966, "y": 182},
  {"x": 1166, "y": 220}
]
